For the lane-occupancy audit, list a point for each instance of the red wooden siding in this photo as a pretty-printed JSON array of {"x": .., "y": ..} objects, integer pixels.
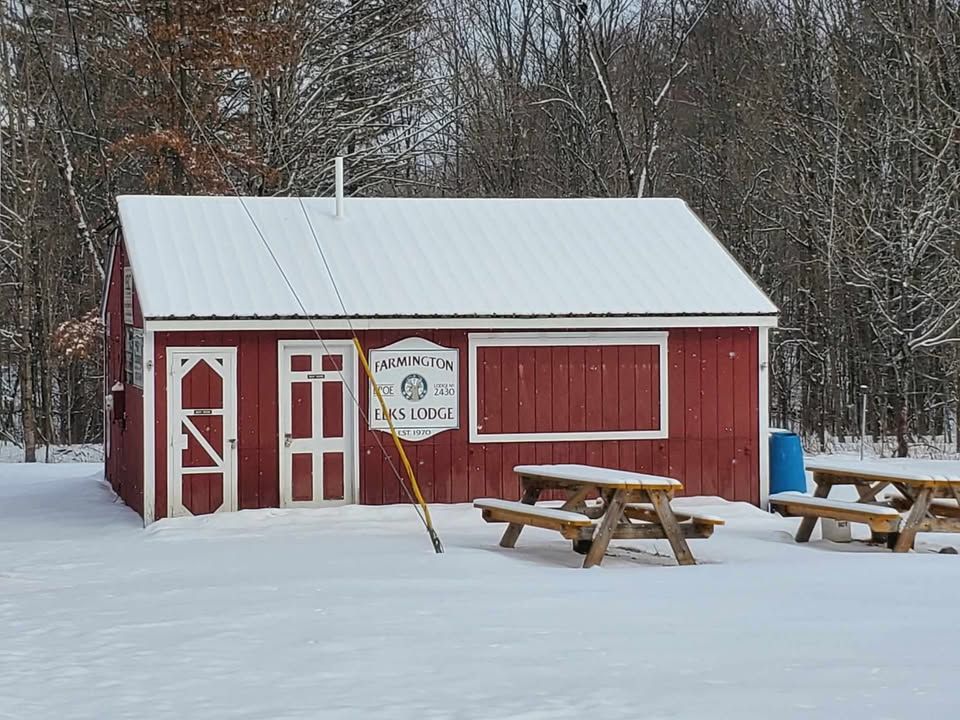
[
  {"x": 113, "y": 370},
  {"x": 712, "y": 400},
  {"x": 123, "y": 466},
  {"x": 568, "y": 388},
  {"x": 710, "y": 450}
]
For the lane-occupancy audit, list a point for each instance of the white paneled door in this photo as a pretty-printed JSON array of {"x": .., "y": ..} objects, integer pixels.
[{"x": 318, "y": 426}]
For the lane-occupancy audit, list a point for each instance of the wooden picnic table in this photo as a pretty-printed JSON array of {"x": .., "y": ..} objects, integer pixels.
[
  {"x": 928, "y": 493},
  {"x": 632, "y": 506}
]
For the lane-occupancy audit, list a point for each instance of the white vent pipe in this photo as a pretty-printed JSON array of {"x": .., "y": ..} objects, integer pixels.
[{"x": 339, "y": 172}]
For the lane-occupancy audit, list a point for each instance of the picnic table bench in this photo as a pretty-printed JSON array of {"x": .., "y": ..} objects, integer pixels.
[
  {"x": 927, "y": 498},
  {"x": 631, "y": 506},
  {"x": 881, "y": 519}
]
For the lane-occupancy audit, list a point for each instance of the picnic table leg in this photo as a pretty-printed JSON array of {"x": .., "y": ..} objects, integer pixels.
[
  {"x": 868, "y": 491},
  {"x": 661, "y": 505},
  {"x": 611, "y": 518},
  {"x": 576, "y": 501},
  {"x": 918, "y": 512},
  {"x": 512, "y": 533},
  {"x": 908, "y": 492},
  {"x": 808, "y": 523}
]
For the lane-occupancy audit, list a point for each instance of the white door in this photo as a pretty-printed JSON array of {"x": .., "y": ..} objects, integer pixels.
[
  {"x": 202, "y": 430},
  {"x": 318, "y": 433}
]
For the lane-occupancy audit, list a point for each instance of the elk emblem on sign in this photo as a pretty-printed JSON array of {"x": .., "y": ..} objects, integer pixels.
[{"x": 414, "y": 387}]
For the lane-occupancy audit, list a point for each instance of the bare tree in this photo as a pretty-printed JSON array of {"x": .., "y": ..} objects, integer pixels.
[{"x": 818, "y": 138}]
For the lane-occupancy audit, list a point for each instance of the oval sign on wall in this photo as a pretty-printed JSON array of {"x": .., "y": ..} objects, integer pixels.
[{"x": 420, "y": 382}]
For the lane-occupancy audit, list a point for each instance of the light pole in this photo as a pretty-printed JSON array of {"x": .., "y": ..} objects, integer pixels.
[{"x": 863, "y": 420}]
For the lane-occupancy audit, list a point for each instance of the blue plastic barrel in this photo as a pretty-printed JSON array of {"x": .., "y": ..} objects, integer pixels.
[{"x": 786, "y": 463}]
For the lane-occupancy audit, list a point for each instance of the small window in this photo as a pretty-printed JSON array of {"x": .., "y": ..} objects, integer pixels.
[{"x": 134, "y": 357}]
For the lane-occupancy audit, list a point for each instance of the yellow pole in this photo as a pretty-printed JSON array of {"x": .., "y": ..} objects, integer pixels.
[{"x": 403, "y": 455}]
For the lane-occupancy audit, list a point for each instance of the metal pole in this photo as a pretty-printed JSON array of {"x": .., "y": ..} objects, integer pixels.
[
  {"x": 863, "y": 420},
  {"x": 338, "y": 185}
]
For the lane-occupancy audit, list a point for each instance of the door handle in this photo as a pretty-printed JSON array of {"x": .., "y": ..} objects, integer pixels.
[
  {"x": 233, "y": 443},
  {"x": 287, "y": 439}
]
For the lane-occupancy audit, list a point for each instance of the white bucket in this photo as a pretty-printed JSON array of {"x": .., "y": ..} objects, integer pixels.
[{"x": 835, "y": 530}]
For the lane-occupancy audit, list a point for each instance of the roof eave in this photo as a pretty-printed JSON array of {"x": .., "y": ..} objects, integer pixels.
[{"x": 198, "y": 318}]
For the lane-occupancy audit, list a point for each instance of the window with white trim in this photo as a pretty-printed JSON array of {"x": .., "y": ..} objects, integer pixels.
[
  {"x": 133, "y": 360},
  {"x": 555, "y": 387}
]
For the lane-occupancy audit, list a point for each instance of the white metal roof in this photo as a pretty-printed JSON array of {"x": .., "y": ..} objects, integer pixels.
[{"x": 391, "y": 257}]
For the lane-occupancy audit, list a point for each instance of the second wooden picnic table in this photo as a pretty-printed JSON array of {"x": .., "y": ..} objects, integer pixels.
[
  {"x": 928, "y": 496},
  {"x": 632, "y": 506}
]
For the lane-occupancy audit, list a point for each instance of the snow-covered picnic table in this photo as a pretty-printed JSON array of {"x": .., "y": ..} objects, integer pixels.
[
  {"x": 631, "y": 506},
  {"x": 927, "y": 497}
]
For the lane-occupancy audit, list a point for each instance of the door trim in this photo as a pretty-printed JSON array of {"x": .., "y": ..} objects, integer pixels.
[
  {"x": 149, "y": 429},
  {"x": 230, "y": 397},
  {"x": 349, "y": 376}
]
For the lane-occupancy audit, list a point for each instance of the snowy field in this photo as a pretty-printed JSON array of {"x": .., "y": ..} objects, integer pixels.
[
  {"x": 88, "y": 453},
  {"x": 347, "y": 613}
]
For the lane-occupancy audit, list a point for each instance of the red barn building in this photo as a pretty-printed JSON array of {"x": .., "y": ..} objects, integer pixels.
[{"x": 607, "y": 332}]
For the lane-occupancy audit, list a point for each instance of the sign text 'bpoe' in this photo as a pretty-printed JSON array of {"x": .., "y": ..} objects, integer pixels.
[{"x": 420, "y": 383}]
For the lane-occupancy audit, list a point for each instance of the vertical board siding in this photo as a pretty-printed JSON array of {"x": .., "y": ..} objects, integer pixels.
[
  {"x": 131, "y": 468},
  {"x": 709, "y": 425},
  {"x": 123, "y": 466},
  {"x": 568, "y": 389},
  {"x": 113, "y": 372},
  {"x": 692, "y": 405},
  {"x": 264, "y": 394},
  {"x": 712, "y": 405}
]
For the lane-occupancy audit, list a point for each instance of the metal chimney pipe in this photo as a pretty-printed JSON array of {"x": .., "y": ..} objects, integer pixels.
[{"x": 339, "y": 173}]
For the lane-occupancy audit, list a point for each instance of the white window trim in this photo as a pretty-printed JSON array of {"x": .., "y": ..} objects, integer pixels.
[
  {"x": 130, "y": 357},
  {"x": 128, "y": 294},
  {"x": 478, "y": 340}
]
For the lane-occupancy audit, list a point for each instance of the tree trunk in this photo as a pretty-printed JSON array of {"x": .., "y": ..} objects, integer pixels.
[
  {"x": 28, "y": 415},
  {"x": 903, "y": 448},
  {"x": 27, "y": 412}
]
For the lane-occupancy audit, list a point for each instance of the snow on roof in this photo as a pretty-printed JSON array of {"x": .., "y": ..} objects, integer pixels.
[{"x": 393, "y": 257}]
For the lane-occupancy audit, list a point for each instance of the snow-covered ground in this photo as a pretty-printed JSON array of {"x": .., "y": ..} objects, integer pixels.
[
  {"x": 89, "y": 452},
  {"x": 347, "y": 613},
  {"x": 931, "y": 447}
]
